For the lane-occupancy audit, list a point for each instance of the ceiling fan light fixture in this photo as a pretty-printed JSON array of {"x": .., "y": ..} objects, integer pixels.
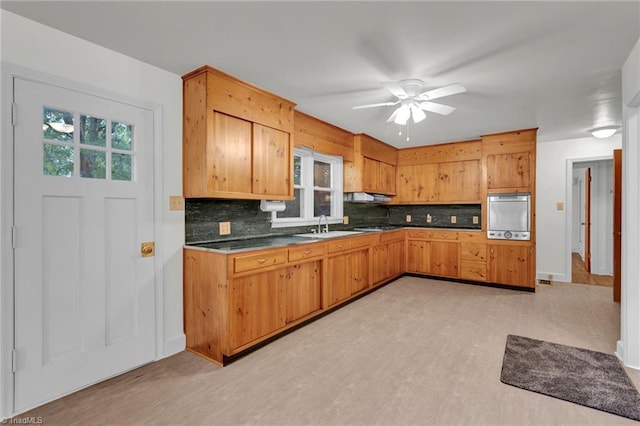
[
  {"x": 402, "y": 115},
  {"x": 603, "y": 132},
  {"x": 417, "y": 114}
]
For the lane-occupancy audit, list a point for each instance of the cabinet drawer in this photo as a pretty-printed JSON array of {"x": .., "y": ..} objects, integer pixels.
[
  {"x": 473, "y": 270},
  {"x": 259, "y": 260},
  {"x": 347, "y": 243},
  {"x": 432, "y": 235},
  {"x": 473, "y": 251},
  {"x": 392, "y": 236},
  {"x": 306, "y": 252}
]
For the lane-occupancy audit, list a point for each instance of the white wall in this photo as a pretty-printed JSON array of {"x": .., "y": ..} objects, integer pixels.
[
  {"x": 29, "y": 45},
  {"x": 628, "y": 348},
  {"x": 553, "y": 240}
]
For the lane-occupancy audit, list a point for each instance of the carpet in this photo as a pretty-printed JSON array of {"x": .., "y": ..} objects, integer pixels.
[{"x": 589, "y": 378}]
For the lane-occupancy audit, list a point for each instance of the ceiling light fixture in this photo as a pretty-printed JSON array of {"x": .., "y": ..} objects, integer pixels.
[{"x": 603, "y": 132}]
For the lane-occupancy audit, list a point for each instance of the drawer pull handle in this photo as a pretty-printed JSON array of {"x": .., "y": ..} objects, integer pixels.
[
  {"x": 307, "y": 251},
  {"x": 262, "y": 260}
]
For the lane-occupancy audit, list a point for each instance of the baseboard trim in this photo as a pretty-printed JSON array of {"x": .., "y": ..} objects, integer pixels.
[
  {"x": 174, "y": 345},
  {"x": 556, "y": 276}
]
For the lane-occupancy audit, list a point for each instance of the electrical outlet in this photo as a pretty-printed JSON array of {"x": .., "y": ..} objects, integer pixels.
[
  {"x": 408, "y": 218},
  {"x": 176, "y": 202},
  {"x": 225, "y": 228},
  {"x": 345, "y": 220},
  {"x": 453, "y": 219},
  {"x": 475, "y": 220},
  {"x": 428, "y": 218}
]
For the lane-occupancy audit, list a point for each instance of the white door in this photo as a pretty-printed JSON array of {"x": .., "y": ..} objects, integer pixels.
[{"x": 84, "y": 294}]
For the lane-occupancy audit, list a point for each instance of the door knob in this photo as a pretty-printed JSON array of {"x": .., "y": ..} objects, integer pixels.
[{"x": 147, "y": 249}]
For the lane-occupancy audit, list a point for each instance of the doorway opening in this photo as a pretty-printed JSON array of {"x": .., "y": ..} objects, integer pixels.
[{"x": 592, "y": 222}]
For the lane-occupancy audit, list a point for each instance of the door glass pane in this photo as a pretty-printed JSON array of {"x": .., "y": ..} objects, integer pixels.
[
  {"x": 120, "y": 166},
  {"x": 292, "y": 207},
  {"x": 297, "y": 170},
  {"x": 321, "y": 174},
  {"x": 93, "y": 131},
  {"x": 321, "y": 203},
  {"x": 57, "y": 160},
  {"x": 93, "y": 164},
  {"x": 57, "y": 125},
  {"x": 121, "y": 135}
]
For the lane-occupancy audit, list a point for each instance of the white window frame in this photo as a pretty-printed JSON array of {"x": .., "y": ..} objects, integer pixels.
[{"x": 306, "y": 184}]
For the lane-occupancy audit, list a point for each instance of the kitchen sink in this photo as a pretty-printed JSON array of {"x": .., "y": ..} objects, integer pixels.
[{"x": 330, "y": 234}]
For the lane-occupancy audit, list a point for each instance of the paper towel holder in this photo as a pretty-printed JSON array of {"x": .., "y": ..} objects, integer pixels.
[{"x": 272, "y": 206}]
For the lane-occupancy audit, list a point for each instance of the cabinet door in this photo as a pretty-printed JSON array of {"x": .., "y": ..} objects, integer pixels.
[
  {"x": 443, "y": 258},
  {"x": 371, "y": 175},
  {"x": 395, "y": 258},
  {"x": 272, "y": 162},
  {"x": 387, "y": 178},
  {"x": 418, "y": 256},
  {"x": 303, "y": 290},
  {"x": 338, "y": 282},
  {"x": 459, "y": 181},
  {"x": 380, "y": 263},
  {"x": 509, "y": 264},
  {"x": 230, "y": 153},
  {"x": 358, "y": 267},
  {"x": 257, "y": 306},
  {"x": 509, "y": 171},
  {"x": 417, "y": 183}
]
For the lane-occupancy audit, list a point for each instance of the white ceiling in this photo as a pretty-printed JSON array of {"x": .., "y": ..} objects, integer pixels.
[{"x": 551, "y": 65}]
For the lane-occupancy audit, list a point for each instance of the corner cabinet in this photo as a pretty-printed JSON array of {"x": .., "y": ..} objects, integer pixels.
[{"x": 237, "y": 139}]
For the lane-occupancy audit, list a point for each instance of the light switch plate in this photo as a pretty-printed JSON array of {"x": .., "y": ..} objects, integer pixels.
[
  {"x": 176, "y": 202},
  {"x": 428, "y": 218},
  {"x": 408, "y": 218},
  {"x": 225, "y": 228},
  {"x": 345, "y": 220},
  {"x": 454, "y": 219},
  {"x": 560, "y": 206}
]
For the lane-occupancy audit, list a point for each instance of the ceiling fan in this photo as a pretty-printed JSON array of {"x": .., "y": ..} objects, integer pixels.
[{"x": 413, "y": 102}]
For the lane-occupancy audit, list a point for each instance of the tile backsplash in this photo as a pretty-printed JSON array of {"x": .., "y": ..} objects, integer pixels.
[{"x": 202, "y": 217}]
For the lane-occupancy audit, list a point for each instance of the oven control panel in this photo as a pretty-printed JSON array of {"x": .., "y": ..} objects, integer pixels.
[{"x": 508, "y": 235}]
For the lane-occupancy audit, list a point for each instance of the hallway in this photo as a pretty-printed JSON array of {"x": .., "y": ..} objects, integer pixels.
[{"x": 580, "y": 275}]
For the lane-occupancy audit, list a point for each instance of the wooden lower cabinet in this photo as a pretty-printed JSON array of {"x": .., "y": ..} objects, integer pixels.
[
  {"x": 303, "y": 290},
  {"x": 433, "y": 257},
  {"x": 509, "y": 264},
  {"x": 473, "y": 261},
  {"x": 418, "y": 256},
  {"x": 257, "y": 306},
  {"x": 443, "y": 258},
  {"x": 387, "y": 261},
  {"x": 354, "y": 267}
]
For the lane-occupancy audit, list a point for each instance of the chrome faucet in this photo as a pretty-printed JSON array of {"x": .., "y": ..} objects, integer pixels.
[{"x": 326, "y": 225}]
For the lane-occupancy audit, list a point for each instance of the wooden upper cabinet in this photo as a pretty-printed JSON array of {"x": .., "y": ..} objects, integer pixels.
[
  {"x": 272, "y": 156},
  {"x": 459, "y": 181},
  {"x": 509, "y": 170},
  {"x": 510, "y": 160},
  {"x": 237, "y": 139},
  {"x": 417, "y": 183},
  {"x": 373, "y": 168},
  {"x": 447, "y": 173}
]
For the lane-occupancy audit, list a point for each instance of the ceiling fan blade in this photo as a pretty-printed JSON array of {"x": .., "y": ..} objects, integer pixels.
[
  {"x": 395, "y": 88},
  {"x": 437, "y": 108},
  {"x": 375, "y": 105},
  {"x": 441, "y": 92},
  {"x": 417, "y": 114}
]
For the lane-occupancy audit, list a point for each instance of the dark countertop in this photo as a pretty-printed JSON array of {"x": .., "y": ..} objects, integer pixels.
[{"x": 265, "y": 242}]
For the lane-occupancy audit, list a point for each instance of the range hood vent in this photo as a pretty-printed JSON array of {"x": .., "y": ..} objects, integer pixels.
[{"x": 363, "y": 197}]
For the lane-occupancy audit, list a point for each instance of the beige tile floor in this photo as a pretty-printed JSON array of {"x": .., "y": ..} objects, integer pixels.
[{"x": 415, "y": 352}]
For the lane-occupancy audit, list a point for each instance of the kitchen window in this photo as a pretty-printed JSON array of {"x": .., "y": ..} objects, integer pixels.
[{"x": 317, "y": 190}]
